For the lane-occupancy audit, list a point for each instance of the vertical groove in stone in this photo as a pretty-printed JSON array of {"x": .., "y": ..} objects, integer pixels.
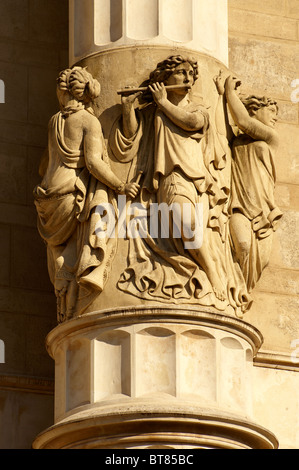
[
  {"x": 98, "y": 25},
  {"x": 112, "y": 365},
  {"x": 108, "y": 16},
  {"x": 83, "y": 27},
  {"x": 142, "y": 19}
]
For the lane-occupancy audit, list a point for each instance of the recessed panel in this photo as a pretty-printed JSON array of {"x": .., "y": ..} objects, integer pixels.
[
  {"x": 108, "y": 17},
  {"x": 198, "y": 364},
  {"x": 155, "y": 362},
  {"x": 111, "y": 367},
  {"x": 232, "y": 367},
  {"x": 83, "y": 26},
  {"x": 77, "y": 373},
  {"x": 142, "y": 19}
]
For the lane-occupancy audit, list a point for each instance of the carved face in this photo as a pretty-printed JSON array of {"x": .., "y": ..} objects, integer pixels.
[
  {"x": 267, "y": 115},
  {"x": 182, "y": 75}
]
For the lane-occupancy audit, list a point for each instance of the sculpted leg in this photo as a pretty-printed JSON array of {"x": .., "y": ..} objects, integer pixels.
[
  {"x": 265, "y": 247},
  {"x": 71, "y": 298},
  {"x": 241, "y": 233},
  {"x": 205, "y": 256}
]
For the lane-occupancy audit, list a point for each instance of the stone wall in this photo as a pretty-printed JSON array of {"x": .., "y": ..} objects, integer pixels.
[
  {"x": 264, "y": 53},
  {"x": 33, "y": 49}
]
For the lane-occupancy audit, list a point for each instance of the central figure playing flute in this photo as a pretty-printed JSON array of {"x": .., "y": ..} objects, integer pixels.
[{"x": 173, "y": 142}]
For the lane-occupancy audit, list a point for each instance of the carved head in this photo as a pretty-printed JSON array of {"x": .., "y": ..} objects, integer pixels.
[
  {"x": 262, "y": 108},
  {"x": 79, "y": 83},
  {"x": 167, "y": 67}
]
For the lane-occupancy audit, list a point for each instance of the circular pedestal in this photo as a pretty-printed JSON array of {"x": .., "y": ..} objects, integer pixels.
[
  {"x": 149, "y": 428},
  {"x": 163, "y": 376}
]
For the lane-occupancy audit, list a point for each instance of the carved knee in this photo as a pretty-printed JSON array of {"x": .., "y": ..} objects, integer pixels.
[{"x": 243, "y": 249}]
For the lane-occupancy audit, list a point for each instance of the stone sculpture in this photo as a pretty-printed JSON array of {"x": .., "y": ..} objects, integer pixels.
[
  {"x": 253, "y": 212},
  {"x": 76, "y": 178},
  {"x": 207, "y": 203}
]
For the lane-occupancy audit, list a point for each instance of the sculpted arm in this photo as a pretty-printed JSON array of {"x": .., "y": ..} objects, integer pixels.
[
  {"x": 189, "y": 121},
  {"x": 221, "y": 116},
  {"x": 129, "y": 119},
  {"x": 249, "y": 125},
  {"x": 93, "y": 149}
]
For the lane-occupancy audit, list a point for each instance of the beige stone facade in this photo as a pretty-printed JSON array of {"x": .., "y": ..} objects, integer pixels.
[
  {"x": 263, "y": 45},
  {"x": 263, "y": 42}
]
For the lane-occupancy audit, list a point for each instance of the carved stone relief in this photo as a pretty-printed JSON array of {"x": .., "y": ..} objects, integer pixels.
[{"x": 200, "y": 211}]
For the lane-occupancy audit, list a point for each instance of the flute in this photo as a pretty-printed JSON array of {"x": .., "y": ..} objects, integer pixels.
[
  {"x": 130, "y": 91},
  {"x": 140, "y": 173}
]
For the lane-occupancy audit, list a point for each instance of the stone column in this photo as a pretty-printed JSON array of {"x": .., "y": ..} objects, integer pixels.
[
  {"x": 140, "y": 374},
  {"x": 100, "y": 25}
]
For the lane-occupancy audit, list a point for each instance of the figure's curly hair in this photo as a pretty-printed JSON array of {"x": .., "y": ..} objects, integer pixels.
[
  {"x": 79, "y": 83},
  {"x": 253, "y": 103},
  {"x": 166, "y": 67},
  {"x": 163, "y": 71}
]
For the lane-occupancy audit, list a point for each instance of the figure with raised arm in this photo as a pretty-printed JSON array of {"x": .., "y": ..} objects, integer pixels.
[{"x": 253, "y": 212}]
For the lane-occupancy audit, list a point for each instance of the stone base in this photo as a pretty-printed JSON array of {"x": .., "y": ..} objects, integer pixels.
[
  {"x": 146, "y": 426},
  {"x": 162, "y": 376}
]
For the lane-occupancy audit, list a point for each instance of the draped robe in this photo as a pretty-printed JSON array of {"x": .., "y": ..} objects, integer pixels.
[
  {"x": 67, "y": 218},
  {"x": 253, "y": 180}
]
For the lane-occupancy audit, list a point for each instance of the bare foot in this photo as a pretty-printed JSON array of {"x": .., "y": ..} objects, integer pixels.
[
  {"x": 61, "y": 286},
  {"x": 219, "y": 293}
]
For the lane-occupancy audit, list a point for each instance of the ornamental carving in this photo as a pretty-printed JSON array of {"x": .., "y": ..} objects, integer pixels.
[{"x": 197, "y": 207}]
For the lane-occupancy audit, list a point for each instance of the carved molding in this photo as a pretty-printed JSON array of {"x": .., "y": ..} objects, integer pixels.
[
  {"x": 166, "y": 426},
  {"x": 274, "y": 360},
  {"x": 147, "y": 314},
  {"x": 21, "y": 383}
]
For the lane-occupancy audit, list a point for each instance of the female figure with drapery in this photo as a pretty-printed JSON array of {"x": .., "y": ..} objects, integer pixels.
[
  {"x": 254, "y": 214},
  {"x": 76, "y": 178}
]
